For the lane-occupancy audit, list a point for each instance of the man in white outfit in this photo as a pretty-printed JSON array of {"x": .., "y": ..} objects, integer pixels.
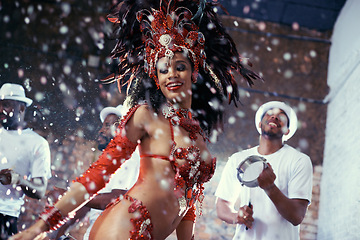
[
  {"x": 24, "y": 158},
  {"x": 120, "y": 182},
  {"x": 279, "y": 203}
]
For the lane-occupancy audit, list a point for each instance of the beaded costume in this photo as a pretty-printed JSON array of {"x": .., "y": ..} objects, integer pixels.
[{"x": 189, "y": 177}]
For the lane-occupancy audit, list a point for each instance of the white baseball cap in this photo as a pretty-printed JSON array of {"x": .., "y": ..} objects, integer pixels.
[
  {"x": 13, "y": 91},
  {"x": 111, "y": 110},
  {"x": 290, "y": 113}
]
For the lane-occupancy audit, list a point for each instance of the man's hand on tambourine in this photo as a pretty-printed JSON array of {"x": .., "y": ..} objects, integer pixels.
[{"x": 266, "y": 178}]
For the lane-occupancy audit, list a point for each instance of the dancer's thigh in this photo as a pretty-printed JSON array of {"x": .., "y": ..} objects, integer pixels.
[{"x": 113, "y": 223}]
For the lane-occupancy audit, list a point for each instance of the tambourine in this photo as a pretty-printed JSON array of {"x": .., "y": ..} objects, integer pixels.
[{"x": 250, "y": 169}]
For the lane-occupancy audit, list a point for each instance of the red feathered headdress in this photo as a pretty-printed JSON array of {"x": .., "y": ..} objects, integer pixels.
[
  {"x": 167, "y": 33},
  {"x": 148, "y": 30}
]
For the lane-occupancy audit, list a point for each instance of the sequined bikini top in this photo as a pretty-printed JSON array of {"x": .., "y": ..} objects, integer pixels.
[{"x": 194, "y": 169}]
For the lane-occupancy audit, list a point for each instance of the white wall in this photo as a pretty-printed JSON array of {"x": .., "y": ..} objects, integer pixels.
[{"x": 339, "y": 211}]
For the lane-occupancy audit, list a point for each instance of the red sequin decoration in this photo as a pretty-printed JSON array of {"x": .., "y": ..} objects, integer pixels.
[
  {"x": 183, "y": 118},
  {"x": 190, "y": 215},
  {"x": 142, "y": 225},
  {"x": 52, "y": 217}
]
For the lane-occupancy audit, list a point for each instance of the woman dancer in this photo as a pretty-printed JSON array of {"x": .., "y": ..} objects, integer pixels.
[{"x": 179, "y": 60}]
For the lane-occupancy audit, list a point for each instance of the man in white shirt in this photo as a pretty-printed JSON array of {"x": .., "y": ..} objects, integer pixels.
[
  {"x": 24, "y": 158},
  {"x": 120, "y": 182},
  {"x": 279, "y": 203}
]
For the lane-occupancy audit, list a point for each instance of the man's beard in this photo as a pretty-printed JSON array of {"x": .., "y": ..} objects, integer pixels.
[
  {"x": 102, "y": 146},
  {"x": 9, "y": 123},
  {"x": 271, "y": 135}
]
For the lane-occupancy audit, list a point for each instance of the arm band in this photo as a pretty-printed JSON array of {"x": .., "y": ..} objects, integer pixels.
[
  {"x": 53, "y": 217},
  {"x": 118, "y": 150}
]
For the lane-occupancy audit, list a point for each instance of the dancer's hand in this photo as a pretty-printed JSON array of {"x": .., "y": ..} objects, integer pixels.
[{"x": 35, "y": 232}]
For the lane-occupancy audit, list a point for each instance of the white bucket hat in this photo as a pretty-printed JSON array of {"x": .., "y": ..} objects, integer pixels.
[
  {"x": 14, "y": 91},
  {"x": 290, "y": 113},
  {"x": 111, "y": 110}
]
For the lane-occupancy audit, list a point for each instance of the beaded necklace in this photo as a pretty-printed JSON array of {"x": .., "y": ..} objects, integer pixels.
[{"x": 183, "y": 117}]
